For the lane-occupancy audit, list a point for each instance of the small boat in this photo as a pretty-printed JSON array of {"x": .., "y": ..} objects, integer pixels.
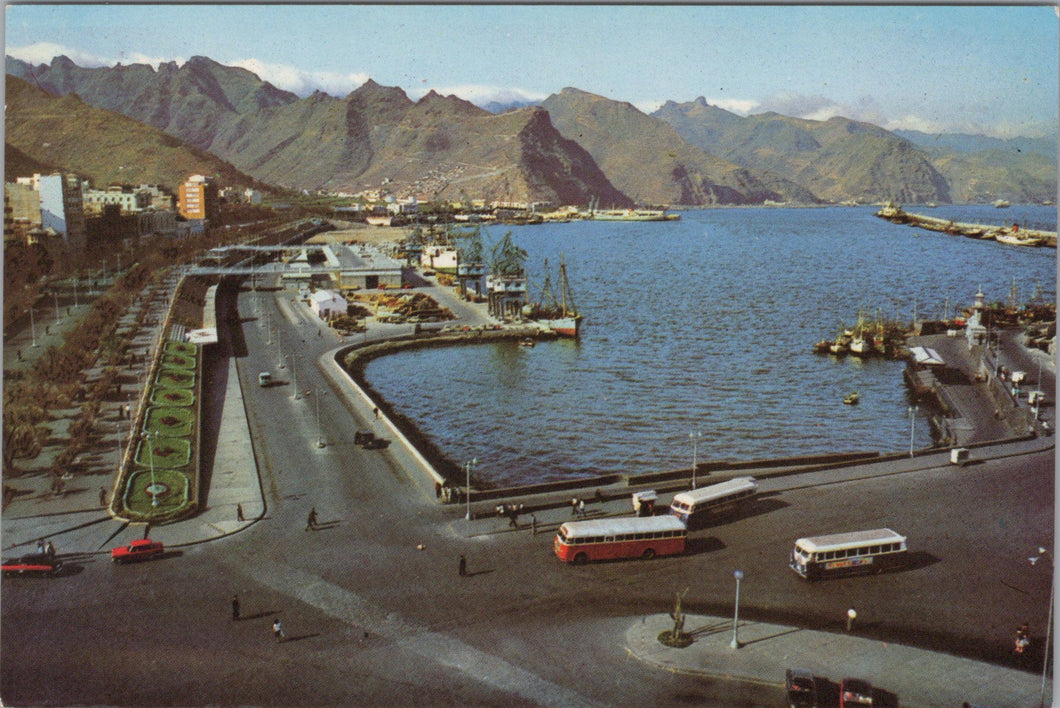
[
  {"x": 822, "y": 346},
  {"x": 852, "y": 398},
  {"x": 527, "y": 342},
  {"x": 1002, "y": 203}
]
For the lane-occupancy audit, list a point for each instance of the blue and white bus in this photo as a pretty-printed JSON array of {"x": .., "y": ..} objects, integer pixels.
[
  {"x": 871, "y": 551},
  {"x": 698, "y": 506}
]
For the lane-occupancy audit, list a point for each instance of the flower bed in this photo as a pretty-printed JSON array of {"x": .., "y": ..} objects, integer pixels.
[
  {"x": 182, "y": 349},
  {"x": 167, "y": 452},
  {"x": 165, "y": 498},
  {"x": 178, "y": 361},
  {"x": 172, "y": 397},
  {"x": 170, "y": 421},
  {"x": 175, "y": 377}
]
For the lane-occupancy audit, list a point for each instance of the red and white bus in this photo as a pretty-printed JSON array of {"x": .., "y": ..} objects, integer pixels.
[
  {"x": 848, "y": 553},
  {"x": 628, "y": 537}
]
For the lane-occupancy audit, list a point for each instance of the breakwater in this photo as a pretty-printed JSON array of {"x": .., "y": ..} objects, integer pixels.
[{"x": 1013, "y": 235}]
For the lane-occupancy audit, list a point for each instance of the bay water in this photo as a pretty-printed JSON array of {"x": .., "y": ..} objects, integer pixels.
[{"x": 698, "y": 338}]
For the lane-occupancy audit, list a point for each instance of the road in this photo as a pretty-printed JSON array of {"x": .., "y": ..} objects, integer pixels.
[{"x": 376, "y": 613}]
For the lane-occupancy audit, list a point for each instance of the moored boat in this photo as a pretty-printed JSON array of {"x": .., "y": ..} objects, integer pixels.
[
  {"x": 559, "y": 315},
  {"x": 852, "y": 398}
]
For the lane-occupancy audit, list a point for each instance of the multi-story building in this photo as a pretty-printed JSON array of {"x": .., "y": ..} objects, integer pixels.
[
  {"x": 62, "y": 209},
  {"x": 197, "y": 198},
  {"x": 127, "y": 198}
]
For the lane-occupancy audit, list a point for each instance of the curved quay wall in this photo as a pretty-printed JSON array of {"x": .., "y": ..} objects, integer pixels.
[{"x": 345, "y": 369}]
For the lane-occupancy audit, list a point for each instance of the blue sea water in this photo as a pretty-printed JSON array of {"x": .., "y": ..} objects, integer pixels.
[{"x": 706, "y": 325}]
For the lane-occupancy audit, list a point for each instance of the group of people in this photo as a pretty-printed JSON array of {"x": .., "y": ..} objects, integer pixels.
[
  {"x": 512, "y": 511},
  {"x": 45, "y": 547}
]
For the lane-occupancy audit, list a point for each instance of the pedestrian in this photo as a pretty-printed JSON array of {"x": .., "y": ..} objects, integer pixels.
[
  {"x": 102, "y": 496},
  {"x": 574, "y": 506},
  {"x": 513, "y": 517},
  {"x": 463, "y": 566},
  {"x": 437, "y": 490},
  {"x": 375, "y": 412},
  {"x": 50, "y": 549},
  {"x": 311, "y": 522},
  {"x": 581, "y": 507},
  {"x": 19, "y": 354},
  {"x": 533, "y": 524},
  {"x": 599, "y": 497},
  {"x": 40, "y": 545},
  {"x": 277, "y": 631},
  {"x": 235, "y": 608},
  {"x": 239, "y": 513}
]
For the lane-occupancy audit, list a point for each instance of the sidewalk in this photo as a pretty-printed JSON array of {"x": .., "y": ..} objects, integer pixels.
[{"x": 900, "y": 674}]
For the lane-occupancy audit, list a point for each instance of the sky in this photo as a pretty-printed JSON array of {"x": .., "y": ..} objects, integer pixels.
[{"x": 990, "y": 70}]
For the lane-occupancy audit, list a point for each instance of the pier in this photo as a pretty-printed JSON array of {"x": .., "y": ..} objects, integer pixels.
[{"x": 1013, "y": 235}]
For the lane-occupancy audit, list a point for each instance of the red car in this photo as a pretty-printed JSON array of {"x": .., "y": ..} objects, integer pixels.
[
  {"x": 33, "y": 564},
  {"x": 140, "y": 549},
  {"x": 855, "y": 692}
]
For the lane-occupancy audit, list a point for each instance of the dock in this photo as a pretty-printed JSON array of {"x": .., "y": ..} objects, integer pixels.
[{"x": 1013, "y": 235}]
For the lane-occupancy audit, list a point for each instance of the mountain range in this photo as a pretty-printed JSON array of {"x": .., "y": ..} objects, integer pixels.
[{"x": 572, "y": 148}]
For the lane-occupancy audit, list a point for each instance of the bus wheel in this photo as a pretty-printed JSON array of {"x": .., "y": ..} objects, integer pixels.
[
  {"x": 648, "y": 554},
  {"x": 581, "y": 559}
]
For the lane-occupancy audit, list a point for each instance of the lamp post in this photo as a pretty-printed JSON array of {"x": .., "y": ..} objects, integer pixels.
[
  {"x": 735, "y": 643},
  {"x": 467, "y": 488},
  {"x": 150, "y": 438},
  {"x": 32, "y": 326},
  {"x": 294, "y": 379},
  {"x": 912, "y": 426},
  {"x": 1043, "y": 551},
  {"x": 694, "y": 437},
  {"x": 320, "y": 439}
]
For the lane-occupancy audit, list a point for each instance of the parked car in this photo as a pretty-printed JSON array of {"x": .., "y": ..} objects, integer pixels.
[
  {"x": 854, "y": 692},
  {"x": 801, "y": 688},
  {"x": 32, "y": 564},
  {"x": 140, "y": 549}
]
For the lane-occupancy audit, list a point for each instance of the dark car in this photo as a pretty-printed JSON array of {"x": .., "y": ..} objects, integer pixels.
[
  {"x": 140, "y": 549},
  {"x": 855, "y": 692},
  {"x": 801, "y": 688},
  {"x": 33, "y": 564}
]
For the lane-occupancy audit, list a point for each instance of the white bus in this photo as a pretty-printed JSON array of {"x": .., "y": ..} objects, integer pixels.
[
  {"x": 628, "y": 537},
  {"x": 699, "y": 505},
  {"x": 846, "y": 553}
]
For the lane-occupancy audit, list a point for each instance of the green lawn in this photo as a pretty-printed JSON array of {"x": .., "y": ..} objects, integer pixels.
[
  {"x": 172, "y": 396},
  {"x": 168, "y": 452}
]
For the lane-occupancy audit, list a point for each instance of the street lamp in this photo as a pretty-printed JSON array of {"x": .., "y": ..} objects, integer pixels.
[
  {"x": 735, "y": 643},
  {"x": 32, "y": 326},
  {"x": 1042, "y": 551},
  {"x": 150, "y": 438},
  {"x": 294, "y": 379},
  {"x": 694, "y": 437},
  {"x": 912, "y": 426},
  {"x": 320, "y": 440},
  {"x": 467, "y": 489}
]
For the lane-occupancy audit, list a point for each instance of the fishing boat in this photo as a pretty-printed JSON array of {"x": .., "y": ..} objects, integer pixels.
[
  {"x": 852, "y": 398},
  {"x": 558, "y": 314},
  {"x": 1002, "y": 203},
  {"x": 859, "y": 344}
]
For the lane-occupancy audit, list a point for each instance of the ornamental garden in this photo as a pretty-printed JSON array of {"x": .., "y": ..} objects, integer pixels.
[{"x": 160, "y": 480}]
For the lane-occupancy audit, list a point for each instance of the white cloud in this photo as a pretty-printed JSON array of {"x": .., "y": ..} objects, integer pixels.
[
  {"x": 302, "y": 82},
  {"x": 44, "y": 52},
  {"x": 740, "y": 106},
  {"x": 478, "y": 94}
]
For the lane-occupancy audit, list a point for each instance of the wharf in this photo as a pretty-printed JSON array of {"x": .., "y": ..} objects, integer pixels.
[{"x": 1011, "y": 235}]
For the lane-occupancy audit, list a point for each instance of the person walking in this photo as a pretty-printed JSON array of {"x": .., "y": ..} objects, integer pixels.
[
  {"x": 574, "y": 506},
  {"x": 311, "y": 522},
  {"x": 239, "y": 513},
  {"x": 581, "y": 507},
  {"x": 235, "y": 608},
  {"x": 463, "y": 566},
  {"x": 277, "y": 631},
  {"x": 533, "y": 525},
  {"x": 102, "y": 496}
]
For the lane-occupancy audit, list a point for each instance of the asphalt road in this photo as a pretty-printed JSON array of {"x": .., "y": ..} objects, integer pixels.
[{"x": 376, "y": 613}]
